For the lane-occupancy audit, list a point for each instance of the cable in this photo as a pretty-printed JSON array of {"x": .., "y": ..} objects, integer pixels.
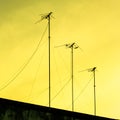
[
  {"x": 24, "y": 65},
  {"x": 36, "y": 75},
  {"x": 56, "y": 65},
  {"x": 83, "y": 89},
  {"x": 57, "y": 69},
  {"x": 41, "y": 92},
  {"x": 62, "y": 58},
  {"x": 60, "y": 90}
]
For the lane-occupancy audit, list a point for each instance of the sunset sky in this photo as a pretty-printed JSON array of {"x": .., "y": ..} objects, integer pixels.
[{"x": 94, "y": 25}]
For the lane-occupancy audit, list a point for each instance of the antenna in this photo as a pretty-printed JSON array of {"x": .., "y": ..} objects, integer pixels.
[
  {"x": 72, "y": 46},
  {"x": 48, "y": 16},
  {"x": 44, "y": 16},
  {"x": 94, "y": 70}
]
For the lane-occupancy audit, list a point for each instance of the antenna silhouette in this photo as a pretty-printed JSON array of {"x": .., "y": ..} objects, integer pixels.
[
  {"x": 72, "y": 46},
  {"x": 94, "y": 70},
  {"x": 48, "y": 17},
  {"x": 44, "y": 16}
]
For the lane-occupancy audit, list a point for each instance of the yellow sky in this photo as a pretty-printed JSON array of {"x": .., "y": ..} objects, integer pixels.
[{"x": 93, "y": 24}]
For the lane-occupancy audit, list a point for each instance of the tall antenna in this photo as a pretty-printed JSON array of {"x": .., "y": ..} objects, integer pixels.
[
  {"x": 94, "y": 70},
  {"x": 48, "y": 16},
  {"x": 72, "y": 46}
]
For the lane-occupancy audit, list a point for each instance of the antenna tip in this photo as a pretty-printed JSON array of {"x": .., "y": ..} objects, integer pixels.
[
  {"x": 94, "y": 68},
  {"x": 50, "y": 13}
]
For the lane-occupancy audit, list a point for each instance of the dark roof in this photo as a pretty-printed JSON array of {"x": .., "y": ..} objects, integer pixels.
[{"x": 6, "y": 103}]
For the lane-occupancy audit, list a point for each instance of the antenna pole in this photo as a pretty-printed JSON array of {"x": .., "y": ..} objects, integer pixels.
[
  {"x": 49, "y": 58},
  {"x": 72, "y": 76},
  {"x": 72, "y": 46},
  {"x": 48, "y": 16},
  {"x": 94, "y": 91},
  {"x": 94, "y": 70}
]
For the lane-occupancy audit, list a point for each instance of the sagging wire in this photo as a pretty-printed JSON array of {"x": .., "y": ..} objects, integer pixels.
[{"x": 20, "y": 70}]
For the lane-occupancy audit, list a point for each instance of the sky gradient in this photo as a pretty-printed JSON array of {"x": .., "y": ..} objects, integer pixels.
[{"x": 93, "y": 24}]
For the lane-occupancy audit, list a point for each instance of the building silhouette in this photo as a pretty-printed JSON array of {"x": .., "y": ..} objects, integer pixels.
[{"x": 15, "y": 110}]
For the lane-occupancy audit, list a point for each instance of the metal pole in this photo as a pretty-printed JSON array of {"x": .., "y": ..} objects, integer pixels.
[
  {"x": 72, "y": 46},
  {"x": 72, "y": 77},
  {"x": 94, "y": 70},
  {"x": 94, "y": 92},
  {"x": 49, "y": 59}
]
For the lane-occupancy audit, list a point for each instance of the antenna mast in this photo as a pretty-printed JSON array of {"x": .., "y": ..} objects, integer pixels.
[
  {"x": 48, "y": 16},
  {"x": 49, "y": 59},
  {"x": 93, "y": 70},
  {"x": 72, "y": 46}
]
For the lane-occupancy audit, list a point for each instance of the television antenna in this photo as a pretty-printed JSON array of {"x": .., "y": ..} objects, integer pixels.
[
  {"x": 94, "y": 70},
  {"x": 48, "y": 17},
  {"x": 72, "y": 46}
]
